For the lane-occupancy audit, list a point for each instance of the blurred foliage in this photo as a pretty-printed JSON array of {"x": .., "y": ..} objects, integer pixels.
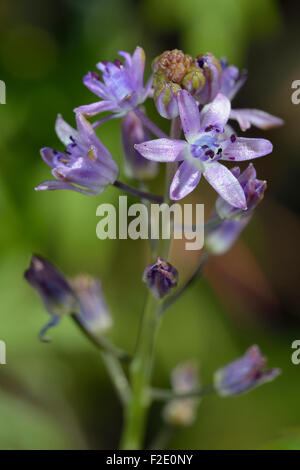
[{"x": 58, "y": 395}]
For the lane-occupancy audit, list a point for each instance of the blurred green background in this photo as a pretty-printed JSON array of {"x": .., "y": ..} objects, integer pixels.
[{"x": 58, "y": 395}]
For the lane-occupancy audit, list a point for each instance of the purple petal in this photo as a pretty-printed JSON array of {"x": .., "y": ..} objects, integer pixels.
[
  {"x": 255, "y": 117},
  {"x": 138, "y": 66},
  {"x": 98, "y": 107},
  {"x": 95, "y": 86},
  {"x": 216, "y": 113},
  {"x": 185, "y": 180},
  {"x": 64, "y": 131},
  {"x": 127, "y": 57},
  {"x": 161, "y": 150},
  {"x": 221, "y": 238},
  {"x": 88, "y": 134},
  {"x": 225, "y": 183},
  {"x": 189, "y": 114},
  {"x": 53, "y": 185},
  {"x": 48, "y": 155},
  {"x": 245, "y": 149}
]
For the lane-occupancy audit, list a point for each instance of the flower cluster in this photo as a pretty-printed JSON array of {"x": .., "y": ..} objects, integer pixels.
[{"x": 196, "y": 94}]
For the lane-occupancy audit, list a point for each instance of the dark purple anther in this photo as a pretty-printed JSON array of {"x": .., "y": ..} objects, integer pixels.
[
  {"x": 210, "y": 153},
  {"x": 95, "y": 75},
  {"x": 118, "y": 63},
  {"x": 233, "y": 138}
]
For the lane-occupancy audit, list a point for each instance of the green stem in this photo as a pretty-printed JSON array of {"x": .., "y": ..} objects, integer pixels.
[
  {"x": 140, "y": 369},
  {"x": 102, "y": 343},
  {"x": 137, "y": 193},
  {"x": 117, "y": 376},
  {"x": 166, "y": 395},
  {"x": 203, "y": 260},
  {"x": 140, "y": 373}
]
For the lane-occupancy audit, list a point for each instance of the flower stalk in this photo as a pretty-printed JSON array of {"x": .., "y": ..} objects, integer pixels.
[{"x": 140, "y": 374}]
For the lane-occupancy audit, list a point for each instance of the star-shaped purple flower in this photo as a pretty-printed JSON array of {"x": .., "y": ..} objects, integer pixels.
[
  {"x": 86, "y": 166},
  {"x": 206, "y": 143},
  {"x": 122, "y": 88}
]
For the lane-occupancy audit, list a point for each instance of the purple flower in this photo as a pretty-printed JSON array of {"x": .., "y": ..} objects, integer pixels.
[
  {"x": 56, "y": 293},
  {"x": 94, "y": 314},
  {"x": 253, "y": 189},
  {"x": 160, "y": 277},
  {"x": 206, "y": 144},
  {"x": 182, "y": 412},
  {"x": 244, "y": 374},
  {"x": 221, "y": 238},
  {"x": 122, "y": 88},
  {"x": 232, "y": 81},
  {"x": 133, "y": 132},
  {"x": 86, "y": 166}
]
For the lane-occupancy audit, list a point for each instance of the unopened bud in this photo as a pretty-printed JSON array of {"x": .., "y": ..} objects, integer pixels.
[
  {"x": 212, "y": 71},
  {"x": 160, "y": 277}
]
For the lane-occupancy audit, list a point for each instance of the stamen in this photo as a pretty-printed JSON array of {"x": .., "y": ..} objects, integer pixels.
[
  {"x": 95, "y": 75},
  {"x": 233, "y": 138},
  {"x": 210, "y": 153}
]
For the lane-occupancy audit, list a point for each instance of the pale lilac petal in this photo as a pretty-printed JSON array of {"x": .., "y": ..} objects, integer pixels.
[
  {"x": 127, "y": 57},
  {"x": 185, "y": 180},
  {"x": 255, "y": 117},
  {"x": 221, "y": 238},
  {"x": 216, "y": 113},
  {"x": 95, "y": 86},
  {"x": 225, "y": 183},
  {"x": 161, "y": 150},
  {"x": 53, "y": 185},
  {"x": 189, "y": 114},
  {"x": 48, "y": 155},
  {"x": 98, "y": 107},
  {"x": 138, "y": 66},
  {"x": 87, "y": 132},
  {"x": 245, "y": 149},
  {"x": 64, "y": 131}
]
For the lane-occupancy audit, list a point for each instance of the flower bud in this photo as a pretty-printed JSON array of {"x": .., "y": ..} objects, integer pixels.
[
  {"x": 194, "y": 81},
  {"x": 93, "y": 315},
  {"x": 133, "y": 132},
  {"x": 212, "y": 71},
  {"x": 165, "y": 99},
  {"x": 160, "y": 277},
  {"x": 174, "y": 70},
  {"x": 56, "y": 293},
  {"x": 244, "y": 373},
  {"x": 182, "y": 412}
]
